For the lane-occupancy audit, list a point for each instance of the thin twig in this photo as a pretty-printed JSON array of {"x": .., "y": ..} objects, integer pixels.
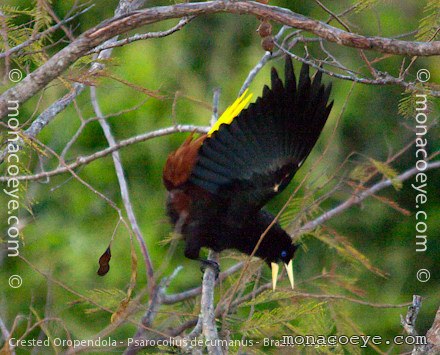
[
  {"x": 39, "y": 35},
  {"x": 356, "y": 199},
  {"x": 82, "y": 160},
  {"x": 382, "y": 79},
  {"x": 261, "y": 63},
  {"x": 124, "y": 191},
  {"x": 181, "y": 296},
  {"x": 6, "y": 336},
  {"x": 139, "y": 37},
  {"x": 299, "y": 294},
  {"x": 156, "y": 301}
]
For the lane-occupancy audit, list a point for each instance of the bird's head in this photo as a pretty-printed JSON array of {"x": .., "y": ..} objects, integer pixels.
[{"x": 277, "y": 248}]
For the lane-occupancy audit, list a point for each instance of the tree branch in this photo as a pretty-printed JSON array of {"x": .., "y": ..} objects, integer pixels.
[
  {"x": 126, "y": 142},
  {"x": 6, "y": 336},
  {"x": 124, "y": 7},
  {"x": 207, "y": 309},
  {"x": 39, "y": 35},
  {"x": 139, "y": 37},
  {"x": 382, "y": 78},
  {"x": 409, "y": 321},
  {"x": 57, "y": 64},
  {"x": 358, "y": 198},
  {"x": 124, "y": 190},
  {"x": 179, "y": 297},
  {"x": 155, "y": 302},
  {"x": 432, "y": 336}
]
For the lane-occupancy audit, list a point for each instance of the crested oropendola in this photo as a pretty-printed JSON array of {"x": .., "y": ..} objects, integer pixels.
[{"x": 219, "y": 182}]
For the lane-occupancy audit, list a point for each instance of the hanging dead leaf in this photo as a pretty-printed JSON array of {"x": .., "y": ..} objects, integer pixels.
[{"x": 104, "y": 262}]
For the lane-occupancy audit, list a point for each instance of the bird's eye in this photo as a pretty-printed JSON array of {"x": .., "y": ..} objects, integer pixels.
[{"x": 283, "y": 254}]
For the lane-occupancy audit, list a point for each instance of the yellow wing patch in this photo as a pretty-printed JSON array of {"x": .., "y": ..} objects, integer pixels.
[{"x": 232, "y": 111}]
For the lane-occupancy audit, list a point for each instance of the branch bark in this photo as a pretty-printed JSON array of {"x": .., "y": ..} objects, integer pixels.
[
  {"x": 356, "y": 199},
  {"x": 124, "y": 191},
  {"x": 81, "y": 160},
  {"x": 57, "y": 64},
  {"x": 432, "y": 345},
  {"x": 207, "y": 309},
  {"x": 123, "y": 8},
  {"x": 433, "y": 335}
]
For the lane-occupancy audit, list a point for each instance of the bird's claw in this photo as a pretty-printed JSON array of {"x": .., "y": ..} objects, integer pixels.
[{"x": 211, "y": 264}]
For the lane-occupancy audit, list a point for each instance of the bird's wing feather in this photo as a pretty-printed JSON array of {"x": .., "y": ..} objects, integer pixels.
[{"x": 253, "y": 158}]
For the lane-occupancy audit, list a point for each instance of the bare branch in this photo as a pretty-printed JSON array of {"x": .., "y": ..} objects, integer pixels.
[
  {"x": 138, "y": 37},
  {"x": 432, "y": 336},
  {"x": 57, "y": 64},
  {"x": 6, "y": 336},
  {"x": 409, "y": 321},
  {"x": 124, "y": 143},
  {"x": 356, "y": 199},
  {"x": 155, "y": 302},
  {"x": 124, "y": 190},
  {"x": 383, "y": 78},
  {"x": 39, "y": 35},
  {"x": 207, "y": 308},
  {"x": 178, "y": 297},
  {"x": 266, "y": 58}
]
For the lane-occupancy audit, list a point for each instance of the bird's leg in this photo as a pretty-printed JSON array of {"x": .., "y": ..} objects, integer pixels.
[
  {"x": 210, "y": 263},
  {"x": 193, "y": 244}
]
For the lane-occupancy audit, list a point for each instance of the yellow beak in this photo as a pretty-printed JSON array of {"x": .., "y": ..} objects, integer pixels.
[
  {"x": 289, "y": 268},
  {"x": 275, "y": 269}
]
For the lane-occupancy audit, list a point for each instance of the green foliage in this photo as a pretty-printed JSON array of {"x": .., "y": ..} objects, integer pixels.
[
  {"x": 364, "y": 172},
  {"x": 346, "y": 250},
  {"x": 106, "y": 298},
  {"x": 37, "y": 21},
  {"x": 429, "y": 25},
  {"x": 275, "y": 321},
  {"x": 408, "y": 102},
  {"x": 298, "y": 210},
  {"x": 69, "y": 227},
  {"x": 268, "y": 296},
  {"x": 360, "y": 173},
  {"x": 388, "y": 172},
  {"x": 361, "y": 5}
]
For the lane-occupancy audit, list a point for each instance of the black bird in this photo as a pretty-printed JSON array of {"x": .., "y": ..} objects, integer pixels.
[{"x": 219, "y": 182}]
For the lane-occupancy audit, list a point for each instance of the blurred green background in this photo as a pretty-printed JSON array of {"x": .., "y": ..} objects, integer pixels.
[{"x": 66, "y": 227}]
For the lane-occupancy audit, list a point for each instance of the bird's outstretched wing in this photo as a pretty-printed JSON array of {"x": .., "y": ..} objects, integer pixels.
[{"x": 253, "y": 158}]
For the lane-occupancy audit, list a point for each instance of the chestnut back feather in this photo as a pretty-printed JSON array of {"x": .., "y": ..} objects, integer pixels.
[{"x": 181, "y": 162}]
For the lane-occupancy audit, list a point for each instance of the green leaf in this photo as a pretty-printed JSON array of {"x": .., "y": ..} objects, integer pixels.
[
  {"x": 108, "y": 298},
  {"x": 364, "y": 4},
  {"x": 274, "y": 321},
  {"x": 388, "y": 172},
  {"x": 346, "y": 250},
  {"x": 429, "y": 25}
]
